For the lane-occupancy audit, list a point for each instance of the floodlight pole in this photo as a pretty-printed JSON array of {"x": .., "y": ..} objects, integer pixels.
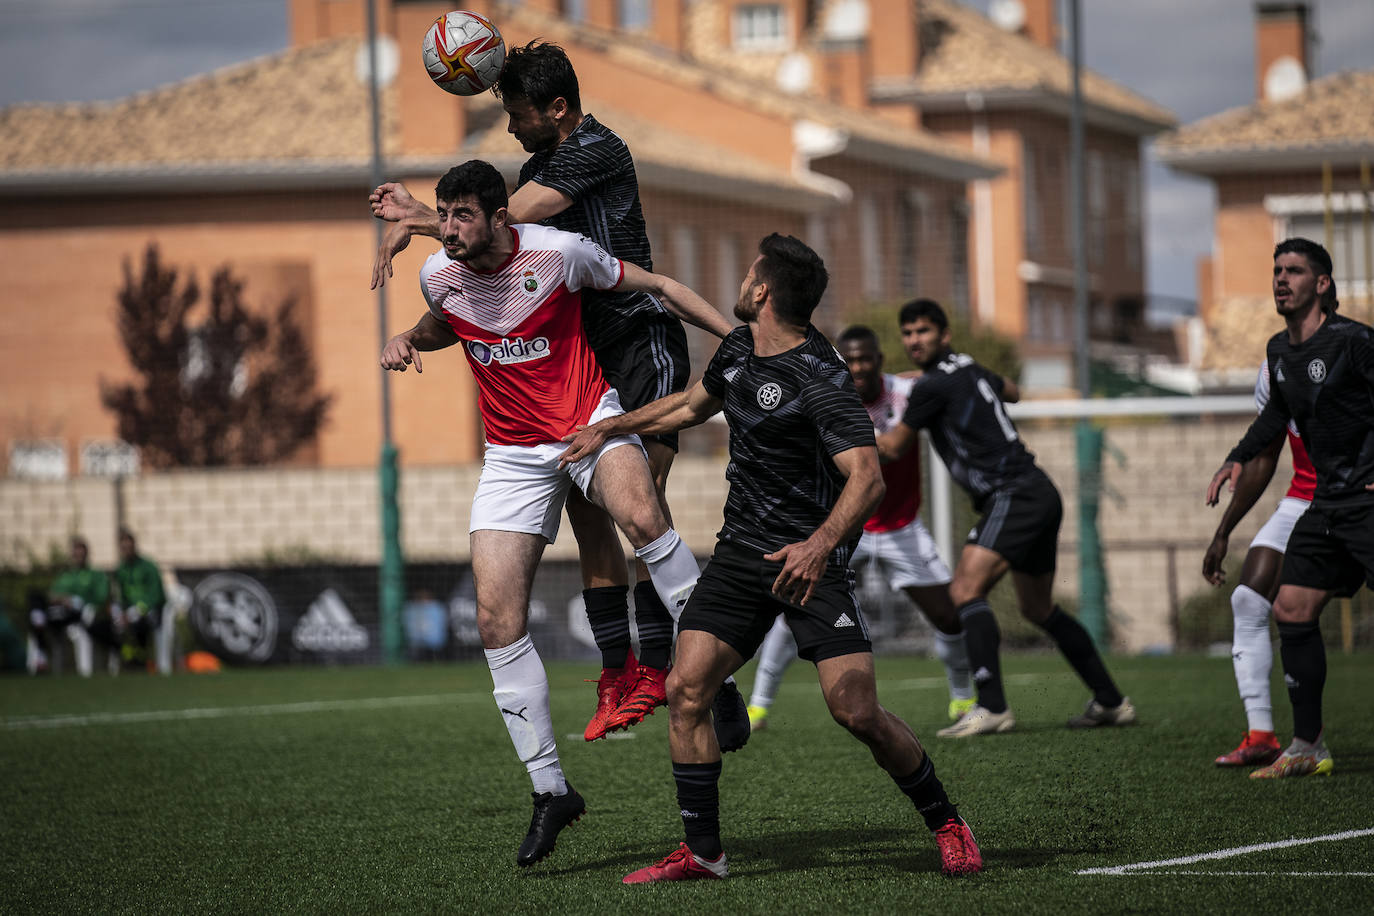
[
  {"x": 391, "y": 572},
  {"x": 1092, "y": 580}
]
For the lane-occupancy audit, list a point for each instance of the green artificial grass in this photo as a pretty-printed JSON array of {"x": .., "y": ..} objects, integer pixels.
[{"x": 361, "y": 790}]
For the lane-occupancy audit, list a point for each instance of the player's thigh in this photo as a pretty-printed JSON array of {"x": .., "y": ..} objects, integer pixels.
[
  {"x": 702, "y": 661},
  {"x": 977, "y": 571},
  {"x": 1299, "y": 604},
  {"x": 1260, "y": 571},
  {"x": 622, "y": 485},
  {"x": 849, "y": 685},
  {"x": 503, "y": 565},
  {"x": 599, "y": 551},
  {"x": 1264, "y": 560},
  {"x": 936, "y": 605}
]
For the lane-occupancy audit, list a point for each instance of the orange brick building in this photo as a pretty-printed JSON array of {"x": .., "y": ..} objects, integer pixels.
[
  {"x": 911, "y": 169},
  {"x": 1296, "y": 162}
]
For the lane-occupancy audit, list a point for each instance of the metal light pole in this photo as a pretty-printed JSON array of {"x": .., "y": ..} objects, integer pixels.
[
  {"x": 391, "y": 573},
  {"x": 1092, "y": 580}
]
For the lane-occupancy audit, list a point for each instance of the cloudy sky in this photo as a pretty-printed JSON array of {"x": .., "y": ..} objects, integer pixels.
[{"x": 1195, "y": 57}]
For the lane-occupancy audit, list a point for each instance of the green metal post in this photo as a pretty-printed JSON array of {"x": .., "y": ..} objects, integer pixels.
[
  {"x": 391, "y": 581},
  {"x": 1092, "y": 578}
]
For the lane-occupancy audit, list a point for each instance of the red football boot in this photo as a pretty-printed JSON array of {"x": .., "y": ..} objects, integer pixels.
[
  {"x": 959, "y": 853},
  {"x": 649, "y": 692},
  {"x": 611, "y": 688},
  {"x": 681, "y": 865}
]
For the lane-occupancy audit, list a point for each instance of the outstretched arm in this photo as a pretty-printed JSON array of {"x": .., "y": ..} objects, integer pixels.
[
  {"x": 1254, "y": 476},
  {"x": 429, "y": 333},
  {"x": 896, "y": 442},
  {"x": 680, "y": 300},
  {"x": 393, "y": 203},
  {"x": 677, "y": 411},
  {"x": 803, "y": 563}
]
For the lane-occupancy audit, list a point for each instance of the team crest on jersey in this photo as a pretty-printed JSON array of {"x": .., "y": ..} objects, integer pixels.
[
  {"x": 529, "y": 283},
  {"x": 1316, "y": 370},
  {"x": 769, "y": 395}
]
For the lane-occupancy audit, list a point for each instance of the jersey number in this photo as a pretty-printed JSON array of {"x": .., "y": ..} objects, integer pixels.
[{"x": 1002, "y": 419}]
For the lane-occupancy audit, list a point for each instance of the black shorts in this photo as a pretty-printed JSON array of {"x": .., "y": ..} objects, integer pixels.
[
  {"x": 647, "y": 366},
  {"x": 1020, "y": 523},
  {"x": 1332, "y": 549},
  {"x": 734, "y": 602}
]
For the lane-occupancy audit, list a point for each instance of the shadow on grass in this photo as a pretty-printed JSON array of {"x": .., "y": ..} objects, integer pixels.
[{"x": 911, "y": 851}]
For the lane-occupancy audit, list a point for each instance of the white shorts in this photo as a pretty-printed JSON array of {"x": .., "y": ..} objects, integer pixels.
[
  {"x": 1275, "y": 532},
  {"x": 907, "y": 556},
  {"x": 521, "y": 487}
]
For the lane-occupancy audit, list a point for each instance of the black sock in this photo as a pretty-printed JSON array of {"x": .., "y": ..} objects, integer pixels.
[
  {"x": 1304, "y": 670},
  {"x": 927, "y": 794},
  {"x": 1068, "y": 634},
  {"x": 609, "y": 614},
  {"x": 655, "y": 626},
  {"x": 983, "y": 638},
  {"x": 698, "y": 797}
]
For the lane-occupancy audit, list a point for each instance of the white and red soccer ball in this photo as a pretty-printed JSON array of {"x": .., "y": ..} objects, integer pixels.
[{"x": 464, "y": 53}]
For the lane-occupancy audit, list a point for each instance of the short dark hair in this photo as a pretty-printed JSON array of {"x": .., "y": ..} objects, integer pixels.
[
  {"x": 858, "y": 333},
  {"x": 474, "y": 178},
  {"x": 1329, "y": 301},
  {"x": 928, "y": 309},
  {"x": 540, "y": 72},
  {"x": 1317, "y": 256},
  {"x": 796, "y": 277}
]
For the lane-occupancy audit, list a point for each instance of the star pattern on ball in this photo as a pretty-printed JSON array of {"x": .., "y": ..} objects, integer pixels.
[{"x": 456, "y": 61}]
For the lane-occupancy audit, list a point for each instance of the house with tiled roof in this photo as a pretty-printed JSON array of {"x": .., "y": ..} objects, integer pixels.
[
  {"x": 998, "y": 89},
  {"x": 265, "y": 167},
  {"x": 1295, "y": 162}
]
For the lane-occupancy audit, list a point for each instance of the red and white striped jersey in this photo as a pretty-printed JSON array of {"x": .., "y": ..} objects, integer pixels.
[
  {"x": 1304, "y": 482},
  {"x": 903, "y": 476},
  {"x": 521, "y": 328}
]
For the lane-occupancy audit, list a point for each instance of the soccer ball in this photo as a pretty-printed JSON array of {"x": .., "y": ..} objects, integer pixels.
[{"x": 464, "y": 53}]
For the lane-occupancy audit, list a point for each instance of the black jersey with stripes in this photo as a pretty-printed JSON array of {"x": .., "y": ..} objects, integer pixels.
[
  {"x": 960, "y": 402},
  {"x": 1326, "y": 386},
  {"x": 593, "y": 167},
  {"x": 789, "y": 415}
]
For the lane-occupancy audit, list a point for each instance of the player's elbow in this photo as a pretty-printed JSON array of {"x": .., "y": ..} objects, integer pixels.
[{"x": 877, "y": 489}]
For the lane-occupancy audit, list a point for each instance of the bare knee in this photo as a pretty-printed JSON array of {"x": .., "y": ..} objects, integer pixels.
[
  {"x": 863, "y": 720},
  {"x": 689, "y": 699},
  {"x": 498, "y": 628},
  {"x": 961, "y": 593}
]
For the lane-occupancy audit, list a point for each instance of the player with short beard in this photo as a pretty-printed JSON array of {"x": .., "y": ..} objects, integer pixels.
[
  {"x": 1322, "y": 369},
  {"x": 511, "y": 294},
  {"x": 581, "y": 178}
]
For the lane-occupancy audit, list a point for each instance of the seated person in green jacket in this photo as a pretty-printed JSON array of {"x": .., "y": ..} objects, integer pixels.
[
  {"x": 78, "y": 597},
  {"x": 140, "y": 598}
]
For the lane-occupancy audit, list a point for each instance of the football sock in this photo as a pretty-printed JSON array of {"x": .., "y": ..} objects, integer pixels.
[
  {"x": 952, "y": 651},
  {"x": 1304, "y": 671},
  {"x": 609, "y": 615},
  {"x": 672, "y": 568},
  {"x": 1252, "y": 656},
  {"x": 982, "y": 638},
  {"x": 698, "y": 797},
  {"x": 521, "y": 689},
  {"x": 774, "y": 656},
  {"x": 1077, "y": 646},
  {"x": 926, "y": 792},
  {"x": 655, "y": 626}
]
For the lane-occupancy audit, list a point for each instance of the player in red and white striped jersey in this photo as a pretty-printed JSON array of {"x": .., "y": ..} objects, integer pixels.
[
  {"x": 1252, "y": 654},
  {"x": 510, "y": 295}
]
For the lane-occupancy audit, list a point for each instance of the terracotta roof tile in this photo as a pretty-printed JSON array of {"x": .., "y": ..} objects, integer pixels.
[
  {"x": 1333, "y": 112},
  {"x": 270, "y": 108},
  {"x": 963, "y": 51}
]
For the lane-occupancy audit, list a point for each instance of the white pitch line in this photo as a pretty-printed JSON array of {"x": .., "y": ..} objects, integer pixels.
[
  {"x": 1259, "y": 874},
  {"x": 222, "y": 712},
  {"x": 1228, "y": 853}
]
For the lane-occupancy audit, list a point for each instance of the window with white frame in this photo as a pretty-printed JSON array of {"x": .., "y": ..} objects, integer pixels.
[
  {"x": 729, "y": 273},
  {"x": 1304, "y": 215},
  {"x": 686, "y": 266},
  {"x": 635, "y": 14},
  {"x": 870, "y": 249},
  {"x": 759, "y": 27}
]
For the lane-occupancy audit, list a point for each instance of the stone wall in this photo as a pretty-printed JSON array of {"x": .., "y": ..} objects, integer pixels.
[{"x": 1153, "y": 518}]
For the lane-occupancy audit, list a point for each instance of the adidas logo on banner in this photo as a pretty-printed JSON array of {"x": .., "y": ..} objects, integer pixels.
[
  {"x": 843, "y": 621},
  {"x": 328, "y": 626}
]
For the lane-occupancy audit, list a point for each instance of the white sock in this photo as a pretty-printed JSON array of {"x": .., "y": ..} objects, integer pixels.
[
  {"x": 672, "y": 569},
  {"x": 1252, "y": 656},
  {"x": 954, "y": 653},
  {"x": 776, "y": 653},
  {"x": 521, "y": 689}
]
